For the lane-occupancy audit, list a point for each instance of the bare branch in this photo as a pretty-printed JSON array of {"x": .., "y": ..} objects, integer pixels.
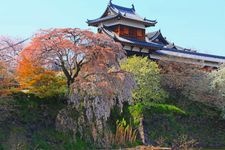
[{"x": 13, "y": 45}]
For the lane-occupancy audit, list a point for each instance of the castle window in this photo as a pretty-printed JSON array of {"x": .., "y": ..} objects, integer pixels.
[
  {"x": 124, "y": 30},
  {"x": 139, "y": 33},
  {"x": 133, "y": 32},
  {"x": 116, "y": 29}
]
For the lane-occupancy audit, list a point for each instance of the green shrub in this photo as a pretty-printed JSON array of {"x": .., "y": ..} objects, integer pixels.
[
  {"x": 1, "y": 147},
  {"x": 140, "y": 109},
  {"x": 147, "y": 77}
]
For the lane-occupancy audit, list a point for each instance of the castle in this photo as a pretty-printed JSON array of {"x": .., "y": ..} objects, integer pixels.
[{"x": 124, "y": 25}]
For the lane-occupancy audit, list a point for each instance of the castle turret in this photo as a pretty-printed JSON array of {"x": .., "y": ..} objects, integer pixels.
[
  {"x": 124, "y": 25},
  {"x": 125, "y": 22}
]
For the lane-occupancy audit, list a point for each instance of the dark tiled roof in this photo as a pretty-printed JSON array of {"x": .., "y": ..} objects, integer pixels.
[
  {"x": 153, "y": 35},
  {"x": 138, "y": 42},
  {"x": 131, "y": 40},
  {"x": 173, "y": 46},
  {"x": 122, "y": 9},
  {"x": 96, "y": 21},
  {"x": 185, "y": 53},
  {"x": 157, "y": 37},
  {"x": 163, "y": 50},
  {"x": 123, "y": 12},
  {"x": 130, "y": 13}
]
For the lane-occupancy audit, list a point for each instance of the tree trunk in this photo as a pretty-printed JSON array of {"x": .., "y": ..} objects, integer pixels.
[{"x": 142, "y": 132}]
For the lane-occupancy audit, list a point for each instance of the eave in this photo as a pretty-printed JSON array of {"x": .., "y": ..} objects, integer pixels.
[
  {"x": 132, "y": 42},
  {"x": 98, "y": 21}
]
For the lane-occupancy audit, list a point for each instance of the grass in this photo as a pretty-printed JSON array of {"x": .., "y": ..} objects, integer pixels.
[
  {"x": 31, "y": 121},
  {"x": 163, "y": 109},
  {"x": 164, "y": 122},
  {"x": 50, "y": 139},
  {"x": 31, "y": 124},
  {"x": 200, "y": 122}
]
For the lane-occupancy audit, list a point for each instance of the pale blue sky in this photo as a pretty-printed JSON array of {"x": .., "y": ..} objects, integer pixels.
[{"x": 198, "y": 24}]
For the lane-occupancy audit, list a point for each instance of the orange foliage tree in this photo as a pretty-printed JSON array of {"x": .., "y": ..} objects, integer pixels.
[
  {"x": 27, "y": 70},
  {"x": 39, "y": 80},
  {"x": 66, "y": 50}
]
